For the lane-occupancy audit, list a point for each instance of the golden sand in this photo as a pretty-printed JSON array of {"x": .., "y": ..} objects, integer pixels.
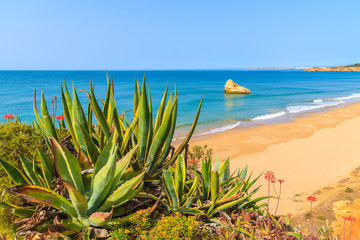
[{"x": 309, "y": 153}]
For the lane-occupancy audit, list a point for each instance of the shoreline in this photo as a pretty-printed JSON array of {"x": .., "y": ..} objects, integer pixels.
[{"x": 308, "y": 153}]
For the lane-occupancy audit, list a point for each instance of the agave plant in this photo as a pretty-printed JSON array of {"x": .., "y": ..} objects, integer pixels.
[
  {"x": 95, "y": 183},
  {"x": 217, "y": 190},
  {"x": 87, "y": 203},
  {"x": 180, "y": 192},
  {"x": 220, "y": 191},
  {"x": 153, "y": 137}
]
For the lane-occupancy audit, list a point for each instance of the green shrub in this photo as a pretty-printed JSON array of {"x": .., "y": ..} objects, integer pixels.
[
  {"x": 174, "y": 227},
  {"x": 15, "y": 138},
  {"x": 132, "y": 226},
  {"x": 198, "y": 152}
]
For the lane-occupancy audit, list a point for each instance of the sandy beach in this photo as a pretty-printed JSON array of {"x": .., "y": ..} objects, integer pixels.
[{"x": 309, "y": 154}]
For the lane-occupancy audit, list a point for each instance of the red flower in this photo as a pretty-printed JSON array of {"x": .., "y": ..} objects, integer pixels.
[
  {"x": 269, "y": 175},
  {"x": 192, "y": 161},
  {"x": 350, "y": 219},
  {"x": 61, "y": 117},
  {"x": 273, "y": 180},
  {"x": 8, "y": 117},
  {"x": 311, "y": 198},
  {"x": 281, "y": 180}
]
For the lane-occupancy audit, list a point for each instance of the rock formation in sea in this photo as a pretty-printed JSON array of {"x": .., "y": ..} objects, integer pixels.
[{"x": 234, "y": 88}]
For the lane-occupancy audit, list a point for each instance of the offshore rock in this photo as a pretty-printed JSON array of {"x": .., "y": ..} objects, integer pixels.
[{"x": 233, "y": 88}]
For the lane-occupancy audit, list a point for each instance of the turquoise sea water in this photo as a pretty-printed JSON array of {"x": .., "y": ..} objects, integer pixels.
[{"x": 276, "y": 94}]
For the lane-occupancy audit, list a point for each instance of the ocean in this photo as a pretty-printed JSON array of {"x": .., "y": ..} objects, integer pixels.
[{"x": 277, "y": 95}]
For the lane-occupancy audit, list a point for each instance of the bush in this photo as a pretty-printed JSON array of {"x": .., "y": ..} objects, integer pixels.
[
  {"x": 15, "y": 138},
  {"x": 174, "y": 227},
  {"x": 131, "y": 226},
  {"x": 198, "y": 152}
]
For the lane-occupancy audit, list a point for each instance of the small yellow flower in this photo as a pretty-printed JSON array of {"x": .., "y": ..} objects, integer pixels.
[
  {"x": 196, "y": 222},
  {"x": 190, "y": 227},
  {"x": 165, "y": 220},
  {"x": 126, "y": 231},
  {"x": 159, "y": 227},
  {"x": 164, "y": 233},
  {"x": 177, "y": 213}
]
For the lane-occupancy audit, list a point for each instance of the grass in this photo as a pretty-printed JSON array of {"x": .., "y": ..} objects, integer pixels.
[
  {"x": 12, "y": 136},
  {"x": 349, "y": 190},
  {"x": 322, "y": 218}
]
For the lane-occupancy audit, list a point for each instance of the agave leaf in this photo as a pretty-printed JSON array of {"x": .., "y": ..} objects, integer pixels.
[
  {"x": 99, "y": 219},
  {"x": 294, "y": 234},
  {"x": 169, "y": 139},
  {"x": 180, "y": 177},
  {"x": 27, "y": 165},
  {"x": 107, "y": 96},
  {"x": 124, "y": 193},
  {"x": 214, "y": 185},
  {"x": 42, "y": 195},
  {"x": 78, "y": 200},
  {"x": 245, "y": 232},
  {"x": 247, "y": 186},
  {"x": 188, "y": 199},
  {"x": 121, "y": 166},
  {"x": 159, "y": 140},
  {"x": 49, "y": 127},
  {"x": 192, "y": 211},
  {"x": 117, "y": 124},
  {"x": 89, "y": 119},
  {"x": 144, "y": 124},
  {"x": 160, "y": 113},
  {"x": 127, "y": 135},
  {"x": 100, "y": 117},
  {"x": 104, "y": 155},
  {"x": 47, "y": 168},
  {"x": 78, "y": 119},
  {"x": 206, "y": 178},
  {"x": 67, "y": 97},
  {"x": 37, "y": 116},
  {"x": 224, "y": 171},
  {"x": 224, "y": 206},
  {"x": 67, "y": 166},
  {"x": 150, "y": 136},
  {"x": 187, "y": 139},
  {"x": 102, "y": 180},
  {"x": 18, "y": 211},
  {"x": 15, "y": 174},
  {"x": 171, "y": 189},
  {"x": 67, "y": 107},
  {"x": 136, "y": 95},
  {"x": 254, "y": 201},
  {"x": 91, "y": 149},
  {"x": 243, "y": 172}
]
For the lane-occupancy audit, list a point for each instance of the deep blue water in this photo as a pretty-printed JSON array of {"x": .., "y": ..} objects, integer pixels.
[{"x": 279, "y": 93}]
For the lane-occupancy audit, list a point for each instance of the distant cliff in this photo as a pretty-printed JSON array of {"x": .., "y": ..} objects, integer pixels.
[{"x": 348, "y": 68}]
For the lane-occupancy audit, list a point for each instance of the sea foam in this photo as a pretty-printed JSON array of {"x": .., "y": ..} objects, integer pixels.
[
  {"x": 296, "y": 109},
  {"x": 269, "y": 116},
  {"x": 352, "y": 96},
  {"x": 220, "y": 129}
]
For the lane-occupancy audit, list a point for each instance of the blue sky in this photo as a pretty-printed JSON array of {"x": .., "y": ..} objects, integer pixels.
[{"x": 127, "y": 35}]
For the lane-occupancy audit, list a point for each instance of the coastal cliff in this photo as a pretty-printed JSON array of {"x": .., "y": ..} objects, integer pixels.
[{"x": 349, "y": 68}]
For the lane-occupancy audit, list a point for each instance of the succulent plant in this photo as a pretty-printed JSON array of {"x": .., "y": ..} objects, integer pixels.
[
  {"x": 85, "y": 184},
  {"x": 152, "y": 137},
  {"x": 180, "y": 192},
  {"x": 219, "y": 190}
]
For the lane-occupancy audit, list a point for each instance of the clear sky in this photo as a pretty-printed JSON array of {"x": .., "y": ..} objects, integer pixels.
[{"x": 145, "y": 34}]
